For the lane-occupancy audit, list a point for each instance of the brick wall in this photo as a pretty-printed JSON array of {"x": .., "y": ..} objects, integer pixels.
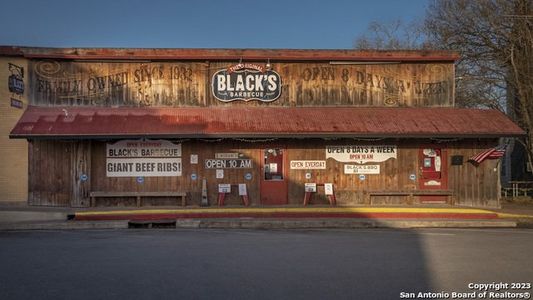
[{"x": 13, "y": 153}]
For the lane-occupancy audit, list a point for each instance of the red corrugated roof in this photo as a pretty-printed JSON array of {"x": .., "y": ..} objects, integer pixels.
[
  {"x": 238, "y": 121},
  {"x": 231, "y": 54}
]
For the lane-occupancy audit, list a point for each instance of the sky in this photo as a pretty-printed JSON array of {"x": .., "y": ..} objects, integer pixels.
[{"x": 313, "y": 24}]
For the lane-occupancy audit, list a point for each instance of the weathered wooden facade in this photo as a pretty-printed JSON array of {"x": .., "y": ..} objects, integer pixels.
[{"x": 379, "y": 126}]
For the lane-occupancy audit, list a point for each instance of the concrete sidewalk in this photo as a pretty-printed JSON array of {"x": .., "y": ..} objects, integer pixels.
[{"x": 21, "y": 217}]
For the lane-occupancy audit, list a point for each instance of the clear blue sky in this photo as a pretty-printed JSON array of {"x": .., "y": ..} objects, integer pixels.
[{"x": 315, "y": 24}]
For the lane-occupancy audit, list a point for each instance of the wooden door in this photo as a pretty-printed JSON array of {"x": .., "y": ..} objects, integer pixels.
[
  {"x": 274, "y": 183},
  {"x": 433, "y": 175}
]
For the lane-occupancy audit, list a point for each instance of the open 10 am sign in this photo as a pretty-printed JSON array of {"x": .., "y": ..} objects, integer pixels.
[{"x": 143, "y": 158}]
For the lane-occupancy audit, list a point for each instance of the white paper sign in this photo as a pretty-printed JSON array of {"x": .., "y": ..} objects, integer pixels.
[
  {"x": 226, "y": 155},
  {"x": 310, "y": 187},
  {"x": 143, "y": 158},
  {"x": 228, "y": 163},
  {"x": 224, "y": 188},
  {"x": 361, "y": 153},
  {"x": 361, "y": 169},
  {"x": 144, "y": 167},
  {"x": 143, "y": 148},
  {"x": 194, "y": 159},
  {"x": 328, "y": 188},
  {"x": 220, "y": 174},
  {"x": 242, "y": 189},
  {"x": 308, "y": 164}
]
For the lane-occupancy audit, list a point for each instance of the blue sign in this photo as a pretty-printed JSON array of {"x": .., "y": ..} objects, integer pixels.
[
  {"x": 16, "y": 85},
  {"x": 140, "y": 179},
  {"x": 248, "y": 176},
  {"x": 84, "y": 177},
  {"x": 412, "y": 177},
  {"x": 362, "y": 177},
  {"x": 194, "y": 176}
]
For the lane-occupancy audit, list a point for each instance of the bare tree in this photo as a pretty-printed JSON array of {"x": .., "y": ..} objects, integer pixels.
[
  {"x": 495, "y": 42},
  {"x": 393, "y": 35},
  {"x": 494, "y": 38}
]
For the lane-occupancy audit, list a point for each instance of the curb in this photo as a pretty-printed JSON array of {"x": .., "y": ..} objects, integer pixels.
[
  {"x": 288, "y": 213},
  {"x": 65, "y": 225},
  {"x": 247, "y": 223}
]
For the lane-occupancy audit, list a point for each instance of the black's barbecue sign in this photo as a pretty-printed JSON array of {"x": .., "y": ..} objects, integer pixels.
[{"x": 246, "y": 81}]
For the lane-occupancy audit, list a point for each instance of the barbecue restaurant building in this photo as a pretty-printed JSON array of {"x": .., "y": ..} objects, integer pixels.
[{"x": 260, "y": 127}]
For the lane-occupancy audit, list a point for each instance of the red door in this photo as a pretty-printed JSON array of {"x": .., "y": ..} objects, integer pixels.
[
  {"x": 274, "y": 176},
  {"x": 433, "y": 165}
]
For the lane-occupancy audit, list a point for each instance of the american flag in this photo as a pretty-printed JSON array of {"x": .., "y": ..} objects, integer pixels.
[{"x": 492, "y": 153}]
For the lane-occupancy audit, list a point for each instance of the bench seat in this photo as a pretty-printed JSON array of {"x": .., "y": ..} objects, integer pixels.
[{"x": 410, "y": 194}]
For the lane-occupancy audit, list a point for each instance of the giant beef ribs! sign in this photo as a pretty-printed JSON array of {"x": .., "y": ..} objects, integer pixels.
[
  {"x": 133, "y": 158},
  {"x": 246, "y": 81}
]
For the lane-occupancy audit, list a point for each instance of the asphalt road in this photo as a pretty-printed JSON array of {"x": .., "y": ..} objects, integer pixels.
[{"x": 259, "y": 264}]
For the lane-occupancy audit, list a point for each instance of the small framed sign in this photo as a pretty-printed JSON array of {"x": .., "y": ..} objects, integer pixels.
[
  {"x": 328, "y": 188},
  {"x": 457, "y": 160},
  {"x": 194, "y": 159},
  {"x": 16, "y": 103},
  {"x": 310, "y": 187},
  {"x": 242, "y": 189},
  {"x": 224, "y": 188}
]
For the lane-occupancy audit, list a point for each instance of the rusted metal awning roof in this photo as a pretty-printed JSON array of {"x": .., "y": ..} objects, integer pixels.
[
  {"x": 261, "y": 122},
  {"x": 132, "y": 54}
]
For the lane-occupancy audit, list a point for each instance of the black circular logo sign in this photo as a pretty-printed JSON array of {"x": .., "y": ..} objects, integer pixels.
[{"x": 246, "y": 82}]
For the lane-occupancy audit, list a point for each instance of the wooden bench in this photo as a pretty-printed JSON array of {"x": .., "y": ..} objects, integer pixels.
[
  {"x": 137, "y": 195},
  {"x": 411, "y": 194}
]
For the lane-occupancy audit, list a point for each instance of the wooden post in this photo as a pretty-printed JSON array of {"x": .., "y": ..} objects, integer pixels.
[
  {"x": 205, "y": 201},
  {"x": 80, "y": 170}
]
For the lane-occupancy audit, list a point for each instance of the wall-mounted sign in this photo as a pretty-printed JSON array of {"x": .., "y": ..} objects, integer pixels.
[
  {"x": 248, "y": 176},
  {"x": 328, "y": 188},
  {"x": 308, "y": 175},
  {"x": 224, "y": 188},
  {"x": 361, "y": 169},
  {"x": 143, "y": 158},
  {"x": 84, "y": 177},
  {"x": 412, "y": 176},
  {"x": 362, "y": 177},
  {"x": 16, "y": 85},
  {"x": 15, "y": 80},
  {"x": 16, "y": 103},
  {"x": 179, "y": 83},
  {"x": 227, "y": 155},
  {"x": 140, "y": 179},
  {"x": 194, "y": 176},
  {"x": 310, "y": 187},
  {"x": 432, "y": 183},
  {"x": 308, "y": 164},
  {"x": 242, "y": 189},
  {"x": 361, "y": 153},
  {"x": 219, "y": 174},
  {"x": 194, "y": 159},
  {"x": 228, "y": 164},
  {"x": 246, "y": 81}
]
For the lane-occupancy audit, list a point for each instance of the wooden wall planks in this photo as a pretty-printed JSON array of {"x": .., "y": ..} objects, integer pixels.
[
  {"x": 174, "y": 84},
  {"x": 56, "y": 167}
]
